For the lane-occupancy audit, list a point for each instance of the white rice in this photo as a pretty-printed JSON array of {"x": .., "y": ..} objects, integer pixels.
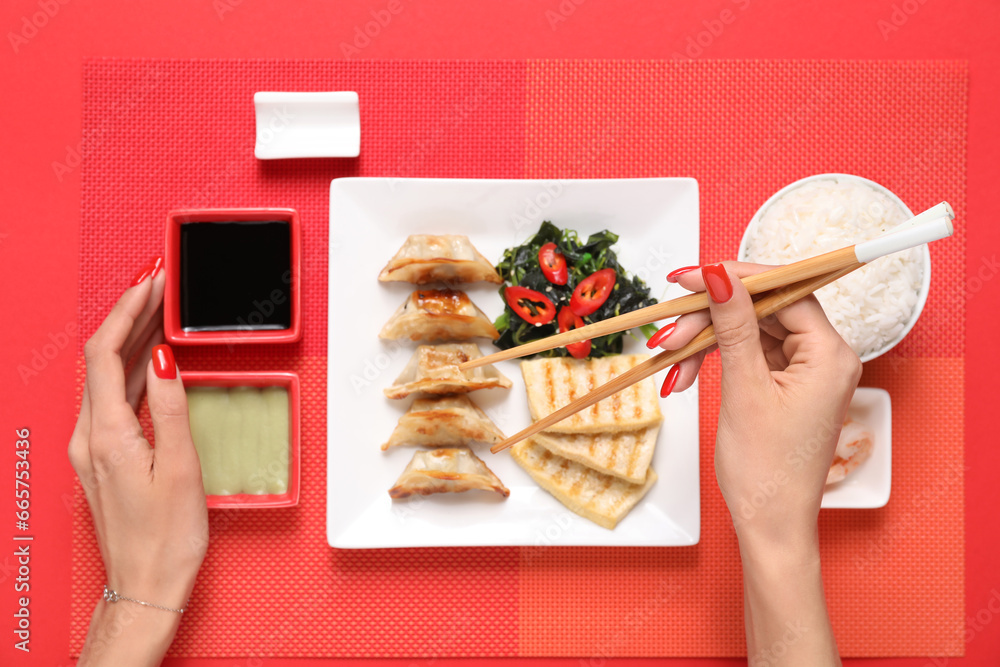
[{"x": 869, "y": 307}]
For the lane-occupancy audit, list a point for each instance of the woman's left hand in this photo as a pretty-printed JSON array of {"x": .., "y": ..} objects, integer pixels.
[{"x": 148, "y": 505}]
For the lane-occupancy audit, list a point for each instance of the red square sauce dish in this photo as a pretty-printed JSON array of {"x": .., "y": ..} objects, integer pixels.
[
  {"x": 246, "y": 429},
  {"x": 233, "y": 276}
]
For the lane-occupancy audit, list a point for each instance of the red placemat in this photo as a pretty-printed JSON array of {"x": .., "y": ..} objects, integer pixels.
[{"x": 169, "y": 134}]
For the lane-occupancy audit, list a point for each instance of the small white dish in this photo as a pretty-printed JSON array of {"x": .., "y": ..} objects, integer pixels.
[
  {"x": 870, "y": 484},
  {"x": 297, "y": 125},
  {"x": 925, "y": 254}
]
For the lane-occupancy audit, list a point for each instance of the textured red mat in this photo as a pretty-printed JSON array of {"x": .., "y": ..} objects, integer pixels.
[{"x": 170, "y": 134}]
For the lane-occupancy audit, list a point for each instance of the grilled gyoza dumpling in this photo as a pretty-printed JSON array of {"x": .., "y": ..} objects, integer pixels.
[
  {"x": 434, "y": 369},
  {"x": 444, "y": 421},
  {"x": 451, "y": 470},
  {"x": 438, "y": 314},
  {"x": 426, "y": 258}
]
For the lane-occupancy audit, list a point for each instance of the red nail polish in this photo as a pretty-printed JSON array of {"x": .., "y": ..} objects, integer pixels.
[
  {"x": 157, "y": 266},
  {"x": 163, "y": 362},
  {"x": 146, "y": 271},
  {"x": 720, "y": 289},
  {"x": 660, "y": 335},
  {"x": 670, "y": 381},
  {"x": 677, "y": 273}
]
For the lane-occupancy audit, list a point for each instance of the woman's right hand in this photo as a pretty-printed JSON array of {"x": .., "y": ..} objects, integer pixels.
[{"x": 787, "y": 381}]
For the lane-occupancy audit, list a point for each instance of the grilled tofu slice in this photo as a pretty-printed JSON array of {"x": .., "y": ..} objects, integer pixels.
[
  {"x": 601, "y": 498},
  {"x": 444, "y": 421},
  {"x": 622, "y": 454},
  {"x": 556, "y": 382}
]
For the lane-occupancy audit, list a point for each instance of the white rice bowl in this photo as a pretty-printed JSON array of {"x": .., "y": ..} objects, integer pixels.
[{"x": 874, "y": 307}]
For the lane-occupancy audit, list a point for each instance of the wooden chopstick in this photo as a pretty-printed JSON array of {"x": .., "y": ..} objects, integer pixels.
[
  {"x": 768, "y": 305},
  {"x": 689, "y": 303}
]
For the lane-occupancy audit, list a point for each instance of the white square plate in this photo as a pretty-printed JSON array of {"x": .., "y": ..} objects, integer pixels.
[
  {"x": 870, "y": 484},
  {"x": 370, "y": 218},
  {"x": 297, "y": 125}
]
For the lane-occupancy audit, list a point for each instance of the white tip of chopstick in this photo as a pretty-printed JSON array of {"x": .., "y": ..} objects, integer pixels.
[
  {"x": 941, "y": 210},
  {"x": 906, "y": 236}
]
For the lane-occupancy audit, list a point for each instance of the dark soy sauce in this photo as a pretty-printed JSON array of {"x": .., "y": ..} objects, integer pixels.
[{"x": 236, "y": 276}]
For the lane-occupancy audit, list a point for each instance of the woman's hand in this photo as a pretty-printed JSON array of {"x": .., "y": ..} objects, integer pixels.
[
  {"x": 148, "y": 505},
  {"x": 787, "y": 382}
]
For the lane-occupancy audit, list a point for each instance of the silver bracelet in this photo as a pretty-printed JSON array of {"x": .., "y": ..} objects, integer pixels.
[{"x": 111, "y": 595}]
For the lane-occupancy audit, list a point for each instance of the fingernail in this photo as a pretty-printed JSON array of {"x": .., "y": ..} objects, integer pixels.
[
  {"x": 163, "y": 362},
  {"x": 677, "y": 273},
  {"x": 670, "y": 381},
  {"x": 660, "y": 335},
  {"x": 720, "y": 289},
  {"x": 157, "y": 265},
  {"x": 147, "y": 271}
]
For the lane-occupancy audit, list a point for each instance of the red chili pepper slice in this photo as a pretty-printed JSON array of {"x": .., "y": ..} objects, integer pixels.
[
  {"x": 593, "y": 291},
  {"x": 531, "y": 306},
  {"x": 568, "y": 320},
  {"x": 553, "y": 264}
]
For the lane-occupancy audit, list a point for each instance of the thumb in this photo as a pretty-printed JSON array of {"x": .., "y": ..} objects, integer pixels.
[
  {"x": 736, "y": 328},
  {"x": 168, "y": 406}
]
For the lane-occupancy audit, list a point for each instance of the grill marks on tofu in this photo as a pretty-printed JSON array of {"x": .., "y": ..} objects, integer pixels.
[
  {"x": 601, "y": 498},
  {"x": 554, "y": 383}
]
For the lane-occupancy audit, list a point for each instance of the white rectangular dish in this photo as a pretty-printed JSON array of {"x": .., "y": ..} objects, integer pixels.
[
  {"x": 868, "y": 486},
  {"x": 306, "y": 125},
  {"x": 370, "y": 218}
]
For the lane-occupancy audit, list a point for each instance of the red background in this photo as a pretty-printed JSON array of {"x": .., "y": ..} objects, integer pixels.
[{"x": 38, "y": 234}]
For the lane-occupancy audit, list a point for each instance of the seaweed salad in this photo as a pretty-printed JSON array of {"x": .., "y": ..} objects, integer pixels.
[{"x": 555, "y": 282}]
